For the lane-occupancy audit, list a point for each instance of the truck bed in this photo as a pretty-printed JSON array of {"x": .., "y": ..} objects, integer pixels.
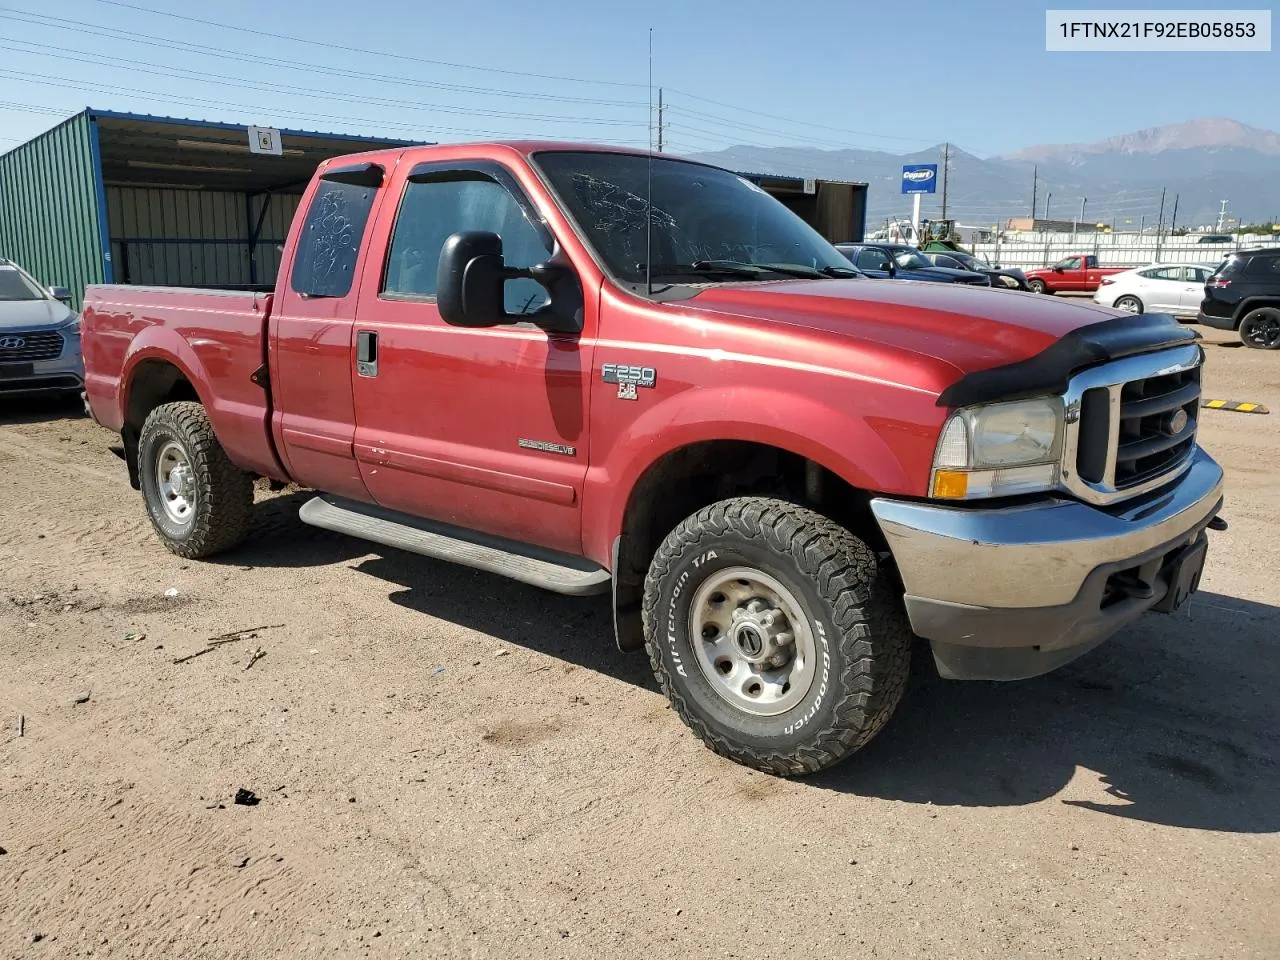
[{"x": 215, "y": 338}]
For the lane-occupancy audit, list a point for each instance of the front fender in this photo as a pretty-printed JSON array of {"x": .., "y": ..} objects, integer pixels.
[{"x": 885, "y": 447}]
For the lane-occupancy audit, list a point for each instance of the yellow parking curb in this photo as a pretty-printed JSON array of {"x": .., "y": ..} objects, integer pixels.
[{"x": 1236, "y": 405}]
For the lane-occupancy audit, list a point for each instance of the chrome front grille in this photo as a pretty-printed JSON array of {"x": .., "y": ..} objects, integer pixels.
[
  {"x": 1131, "y": 424},
  {"x": 18, "y": 347}
]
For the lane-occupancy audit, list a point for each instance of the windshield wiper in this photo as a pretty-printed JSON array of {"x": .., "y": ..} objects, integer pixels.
[{"x": 736, "y": 268}]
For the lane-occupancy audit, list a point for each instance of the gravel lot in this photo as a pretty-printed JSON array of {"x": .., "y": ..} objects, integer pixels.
[{"x": 453, "y": 765}]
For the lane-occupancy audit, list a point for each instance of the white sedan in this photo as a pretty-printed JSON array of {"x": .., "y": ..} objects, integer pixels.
[{"x": 1175, "y": 288}]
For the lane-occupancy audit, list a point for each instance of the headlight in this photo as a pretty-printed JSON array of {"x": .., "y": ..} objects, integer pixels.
[
  {"x": 998, "y": 450},
  {"x": 72, "y": 327}
]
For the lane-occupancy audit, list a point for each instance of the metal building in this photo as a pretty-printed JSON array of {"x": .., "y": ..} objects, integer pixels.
[
  {"x": 109, "y": 197},
  {"x": 837, "y": 209}
]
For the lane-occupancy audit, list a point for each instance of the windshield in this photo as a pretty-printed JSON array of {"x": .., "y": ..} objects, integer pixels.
[
  {"x": 700, "y": 216},
  {"x": 14, "y": 286},
  {"x": 911, "y": 260}
]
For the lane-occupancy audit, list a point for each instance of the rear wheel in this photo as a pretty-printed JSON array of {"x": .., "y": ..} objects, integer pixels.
[
  {"x": 774, "y": 634},
  {"x": 1129, "y": 304},
  {"x": 1037, "y": 286},
  {"x": 1260, "y": 328},
  {"x": 198, "y": 500}
]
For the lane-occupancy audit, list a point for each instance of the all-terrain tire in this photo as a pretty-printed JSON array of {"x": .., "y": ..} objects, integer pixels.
[
  {"x": 221, "y": 493},
  {"x": 857, "y": 619}
]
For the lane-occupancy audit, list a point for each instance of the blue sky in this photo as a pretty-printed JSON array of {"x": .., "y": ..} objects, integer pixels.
[{"x": 892, "y": 76}]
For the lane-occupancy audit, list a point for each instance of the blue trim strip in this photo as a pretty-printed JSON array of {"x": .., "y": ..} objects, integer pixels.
[
  {"x": 213, "y": 125},
  {"x": 108, "y": 271}
]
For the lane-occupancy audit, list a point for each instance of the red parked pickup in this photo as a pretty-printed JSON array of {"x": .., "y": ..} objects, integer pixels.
[
  {"x": 604, "y": 371},
  {"x": 1077, "y": 274}
]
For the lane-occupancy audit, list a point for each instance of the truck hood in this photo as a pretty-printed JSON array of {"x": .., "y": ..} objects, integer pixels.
[
  {"x": 963, "y": 329},
  {"x": 33, "y": 314}
]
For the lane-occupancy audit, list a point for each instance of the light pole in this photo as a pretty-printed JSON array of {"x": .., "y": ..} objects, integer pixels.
[{"x": 1046, "y": 204}]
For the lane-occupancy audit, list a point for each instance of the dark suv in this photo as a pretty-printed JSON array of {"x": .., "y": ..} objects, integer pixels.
[{"x": 1244, "y": 294}]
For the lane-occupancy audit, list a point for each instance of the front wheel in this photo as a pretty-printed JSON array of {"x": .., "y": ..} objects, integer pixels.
[
  {"x": 1037, "y": 286},
  {"x": 198, "y": 500},
  {"x": 1260, "y": 328},
  {"x": 774, "y": 635}
]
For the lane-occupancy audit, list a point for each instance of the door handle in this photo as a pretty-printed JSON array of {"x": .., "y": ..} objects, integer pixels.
[{"x": 367, "y": 353}]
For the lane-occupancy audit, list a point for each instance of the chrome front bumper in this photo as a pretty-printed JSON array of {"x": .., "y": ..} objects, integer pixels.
[{"x": 1013, "y": 592}]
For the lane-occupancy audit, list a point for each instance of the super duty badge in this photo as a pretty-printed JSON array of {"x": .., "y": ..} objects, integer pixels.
[{"x": 628, "y": 378}]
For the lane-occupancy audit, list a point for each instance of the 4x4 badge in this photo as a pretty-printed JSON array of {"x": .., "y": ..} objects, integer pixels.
[{"x": 629, "y": 378}]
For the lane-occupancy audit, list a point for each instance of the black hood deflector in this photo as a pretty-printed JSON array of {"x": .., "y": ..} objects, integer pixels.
[{"x": 1048, "y": 372}]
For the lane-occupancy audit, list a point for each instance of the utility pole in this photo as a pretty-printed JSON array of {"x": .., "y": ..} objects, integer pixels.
[
  {"x": 1160, "y": 225},
  {"x": 1046, "y": 204},
  {"x": 1222, "y": 214},
  {"x": 1035, "y": 177},
  {"x": 1173, "y": 223},
  {"x": 946, "y": 162}
]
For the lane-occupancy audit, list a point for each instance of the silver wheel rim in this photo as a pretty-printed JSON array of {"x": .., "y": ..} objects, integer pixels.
[
  {"x": 1128, "y": 305},
  {"x": 752, "y": 641},
  {"x": 176, "y": 482}
]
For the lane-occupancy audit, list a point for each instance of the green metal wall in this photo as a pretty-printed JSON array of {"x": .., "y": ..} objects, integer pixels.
[{"x": 50, "y": 216}]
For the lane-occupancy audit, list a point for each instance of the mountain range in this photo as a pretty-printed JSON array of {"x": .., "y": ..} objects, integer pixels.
[{"x": 1197, "y": 164}]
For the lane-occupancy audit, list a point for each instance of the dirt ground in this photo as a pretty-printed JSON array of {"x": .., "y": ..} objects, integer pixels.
[{"x": 451, "y": 765}]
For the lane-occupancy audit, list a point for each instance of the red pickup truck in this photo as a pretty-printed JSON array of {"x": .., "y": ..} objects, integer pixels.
[
  {"x": 1076, "y": 274},
  {"x": 596, "y": 370}
]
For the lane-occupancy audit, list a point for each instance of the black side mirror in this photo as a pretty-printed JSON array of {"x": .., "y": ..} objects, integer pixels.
[
  {"x": 1057, "y": 268},
  {"x": 60, "y": 293},
  {"x": 471, "y": 279},
  {"x": 891, "y": 268}
]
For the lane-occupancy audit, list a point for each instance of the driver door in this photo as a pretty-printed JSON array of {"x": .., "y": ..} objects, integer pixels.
[{"x": 481, "y": 428}]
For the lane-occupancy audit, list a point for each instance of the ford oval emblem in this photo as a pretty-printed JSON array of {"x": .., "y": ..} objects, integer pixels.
[
  {"x": 12, "y": 343},
  {"x": 917, "y": 176}
]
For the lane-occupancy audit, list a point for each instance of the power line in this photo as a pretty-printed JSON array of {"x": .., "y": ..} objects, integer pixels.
[
  {"x": 276, "y": 37},
  {"x": 416, "y": 130},
  {"x": 162, "y": 70},
  {"x": 183, "y": 46},
  {"x": 791, "y": 120}
]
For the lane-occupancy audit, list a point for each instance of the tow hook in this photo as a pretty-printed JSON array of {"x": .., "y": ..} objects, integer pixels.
[{"x": 1217, "y": 523}]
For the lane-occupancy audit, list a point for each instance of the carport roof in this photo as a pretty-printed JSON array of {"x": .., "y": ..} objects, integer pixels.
[
  {"x": 147, "y": 151},
  {"x": 784, "y": 183}
]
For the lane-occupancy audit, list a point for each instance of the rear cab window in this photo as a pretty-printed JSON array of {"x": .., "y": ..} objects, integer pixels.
[{"x": 329, "y": 243}]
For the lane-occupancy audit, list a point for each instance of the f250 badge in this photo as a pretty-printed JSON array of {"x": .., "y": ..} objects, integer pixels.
[{"x": 628, "y": 378}]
